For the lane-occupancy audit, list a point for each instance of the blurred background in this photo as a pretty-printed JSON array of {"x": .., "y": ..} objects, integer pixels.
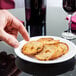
[
  {"x": 56, "y": 3},
  {"x": 19, "y": 4}
]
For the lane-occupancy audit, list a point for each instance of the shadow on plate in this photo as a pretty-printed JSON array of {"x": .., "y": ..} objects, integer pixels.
[{"x": 45, "y": 69}]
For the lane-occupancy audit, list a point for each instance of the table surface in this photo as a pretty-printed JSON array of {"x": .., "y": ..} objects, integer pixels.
[{"x": 55, "y": 25}]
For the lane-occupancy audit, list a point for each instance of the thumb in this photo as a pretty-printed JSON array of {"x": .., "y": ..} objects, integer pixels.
[{"x": 9, "y": 39}]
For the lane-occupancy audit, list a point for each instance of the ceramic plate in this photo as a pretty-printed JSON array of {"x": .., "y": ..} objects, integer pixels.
[{"x": 71, "y": 53}]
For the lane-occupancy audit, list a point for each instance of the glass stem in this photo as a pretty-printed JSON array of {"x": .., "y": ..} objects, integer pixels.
[{"x": 69, "y": 29}]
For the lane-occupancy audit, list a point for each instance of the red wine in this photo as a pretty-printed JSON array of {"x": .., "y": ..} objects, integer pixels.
[
  {"x": 35, "y": 12},
  {"x": 69, "y": 5}
]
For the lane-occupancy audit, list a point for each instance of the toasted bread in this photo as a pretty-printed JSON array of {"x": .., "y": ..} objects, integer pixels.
[
  {"x": 47, "y": 53},
  {"x": 64, "y": 46},
  {"x": 51, "y": 52},
  {"x": 48, "y": 41},
  {"x": 45, "y": 49},
  {"x": 32, "y": 48},
  {"x": 59, "y": 52}
]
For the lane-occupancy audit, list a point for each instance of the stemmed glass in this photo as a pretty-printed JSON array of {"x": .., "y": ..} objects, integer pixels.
[{"x": 70, "y": 7}]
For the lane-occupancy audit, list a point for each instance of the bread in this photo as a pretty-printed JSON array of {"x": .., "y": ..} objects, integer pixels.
[
  {"x": 50, "y": 52},
  {"x": 47, "y": 53},
  {"x": 32, "y": 48},
  {"x": 64, "y": 46},
  {"x": 45, "y": 39},
  {"x": 59, "y": 52},
  {"x": 48, "y": 41},
  {"x": 45, "y": 49}
]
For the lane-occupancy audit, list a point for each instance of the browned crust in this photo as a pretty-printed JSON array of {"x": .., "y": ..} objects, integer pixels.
[
  {"x": 51, "y": 52},
  {"x": 31, "y": 52},
  {"x": 50, "y": 58},
  {"x": 45, "y": 39},
  {"x": 48, "y": 41},
  {"x": 66, "y": 46},
  {"x": 60, "y": 52}
]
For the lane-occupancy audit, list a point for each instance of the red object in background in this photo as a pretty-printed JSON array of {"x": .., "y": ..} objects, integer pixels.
[
  {"x": 7, "y": 4},
  {"x": 73, "y": 25}
]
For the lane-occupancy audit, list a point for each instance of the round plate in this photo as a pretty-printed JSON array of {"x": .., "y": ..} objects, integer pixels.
[{"x": 71, "y": 53}]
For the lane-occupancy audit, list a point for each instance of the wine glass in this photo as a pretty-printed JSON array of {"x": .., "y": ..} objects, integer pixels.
[{"x": 70, "y": 7}]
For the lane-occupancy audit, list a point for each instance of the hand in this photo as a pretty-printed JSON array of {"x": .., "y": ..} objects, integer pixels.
[{"x": 9, "y": 28}]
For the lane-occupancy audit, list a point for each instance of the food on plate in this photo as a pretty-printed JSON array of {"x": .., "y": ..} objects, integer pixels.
[
  {"x": 45, "y": 49},
  {"x": 47, "y": 53},
  {"x": 48, "y": 41},
  {"x": 32, "y": 48},
  {"x": 64, "y": 46},
  {"x": 52, "y": 51},
  {"x": 45, "y": 39},
  {"x": 59, "y": 52}
]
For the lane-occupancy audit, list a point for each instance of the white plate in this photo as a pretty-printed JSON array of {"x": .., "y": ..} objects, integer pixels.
[{"x": 71, "y": 53}]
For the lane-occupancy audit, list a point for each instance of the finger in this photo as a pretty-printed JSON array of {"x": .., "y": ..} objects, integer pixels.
[
  {"x": 15, "y": 36},
  {"x": 18, "y": 25},
  {"x": 9, "y": 39},
  {"x": 23, "y": 32},
  {"x": 14, "y": 32}
]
